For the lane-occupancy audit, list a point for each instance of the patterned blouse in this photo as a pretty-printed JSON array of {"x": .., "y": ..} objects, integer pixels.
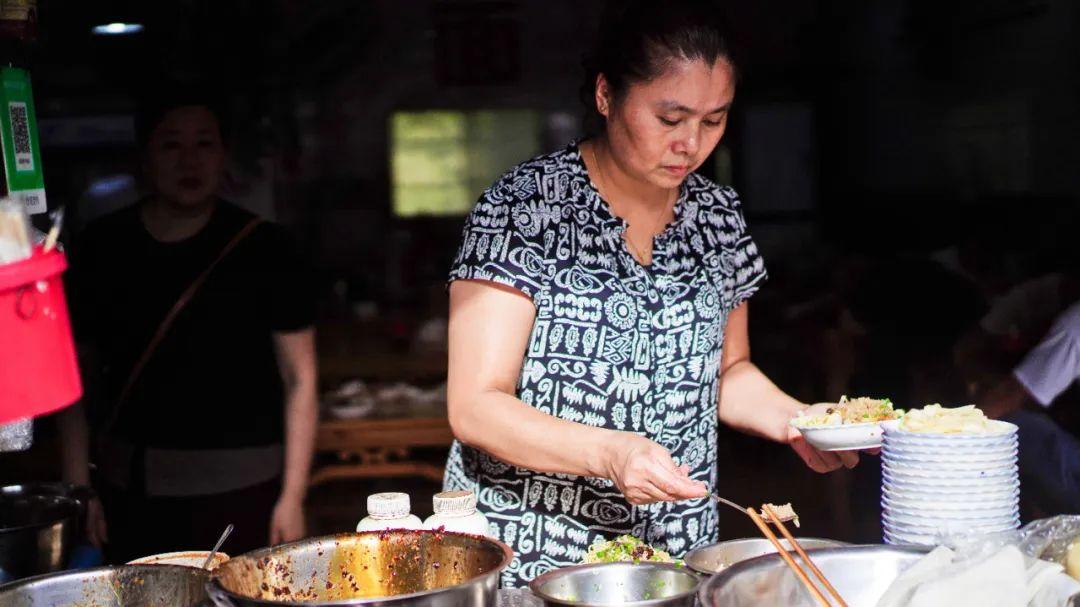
[{"x": 614, "y": 345}]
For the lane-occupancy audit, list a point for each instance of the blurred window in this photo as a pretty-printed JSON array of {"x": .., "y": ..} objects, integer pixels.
[{"x": 441, "y": 160}]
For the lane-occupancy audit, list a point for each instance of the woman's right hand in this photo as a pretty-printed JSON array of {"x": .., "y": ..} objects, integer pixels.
[
  {"x": 645, "y": 472},
  {"x": 96, "y": 531}
]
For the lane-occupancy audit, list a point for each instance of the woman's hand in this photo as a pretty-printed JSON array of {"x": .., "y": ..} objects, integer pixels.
[
  {"x": 645, "y": 473},
  {"x": 96, "y": 531},
  {"x": 817, "y": 460},
  {"x": 287, "y": 521}
]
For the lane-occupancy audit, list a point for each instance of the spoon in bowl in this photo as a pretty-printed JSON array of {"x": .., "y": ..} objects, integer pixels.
[{"x": 217, "y": 546}]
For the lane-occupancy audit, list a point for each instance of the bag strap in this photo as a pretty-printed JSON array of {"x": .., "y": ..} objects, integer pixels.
[{"x": 170, "y": 318}]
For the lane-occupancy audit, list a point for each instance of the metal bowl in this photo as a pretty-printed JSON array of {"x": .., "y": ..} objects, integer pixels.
[
  {"x": 861, "y": 574},
  {"x": 379, "y": 568},
  {"x": 621, "y": 584},
  {"x": 717, "y": 557},
  {"x": 39, "y": 525},
  {"x": 151, "y": 585}
]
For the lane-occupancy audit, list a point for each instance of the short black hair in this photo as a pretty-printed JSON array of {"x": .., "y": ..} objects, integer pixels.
[
  {"x": 164, "y": 98},
  {"x": 637, "y": 39}
]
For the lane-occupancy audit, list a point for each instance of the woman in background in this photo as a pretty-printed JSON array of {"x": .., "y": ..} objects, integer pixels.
[{"x": 198, "y": 318}]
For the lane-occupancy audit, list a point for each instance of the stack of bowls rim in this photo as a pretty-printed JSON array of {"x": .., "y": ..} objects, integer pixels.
[{"x": 935, "y": 485}]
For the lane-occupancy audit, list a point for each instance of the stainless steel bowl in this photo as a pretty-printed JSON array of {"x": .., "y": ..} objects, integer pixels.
[
  {"x": 149, "y": 585},
  {"x": 717, "y": 557},
  {"x": 39, "y": 525},
  {"x": 861, "y": 574},
  {"x": 621, "y": 584},
  {"x": 374, "y": 569}
]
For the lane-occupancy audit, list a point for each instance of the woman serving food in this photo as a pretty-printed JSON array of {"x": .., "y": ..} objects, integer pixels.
[{"x": 598, "y": 313}]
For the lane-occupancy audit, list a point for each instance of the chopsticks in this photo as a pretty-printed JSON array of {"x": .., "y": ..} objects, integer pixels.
[
  {"x": 786, "y": 556},
  {"x": 802, "y": 553}
]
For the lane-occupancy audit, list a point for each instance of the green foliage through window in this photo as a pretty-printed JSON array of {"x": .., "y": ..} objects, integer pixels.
[{"x": 441, "y": 160}]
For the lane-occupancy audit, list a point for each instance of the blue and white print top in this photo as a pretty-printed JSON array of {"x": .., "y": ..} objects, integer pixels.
[{"x": 614, "y": 345}]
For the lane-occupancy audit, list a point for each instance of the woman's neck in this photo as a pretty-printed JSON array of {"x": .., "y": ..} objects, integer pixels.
[
  {"x": 172, "y": 223},
  {"x": 621, "y": 187}
]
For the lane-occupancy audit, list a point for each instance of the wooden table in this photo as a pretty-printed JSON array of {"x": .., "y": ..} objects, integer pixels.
[{"x": 380, "y": 447}]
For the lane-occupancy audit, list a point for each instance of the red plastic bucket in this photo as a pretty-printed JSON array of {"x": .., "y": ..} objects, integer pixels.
[{"x": 38, "y": 370}]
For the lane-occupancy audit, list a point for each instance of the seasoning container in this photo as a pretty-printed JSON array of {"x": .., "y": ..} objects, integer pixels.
[
  {"x": 389, "y": 511},
  {"x": 38, "y": 369},
  {"x": 456, "y": 511}
]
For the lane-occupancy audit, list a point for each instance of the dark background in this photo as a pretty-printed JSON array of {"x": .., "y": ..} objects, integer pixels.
[{"x": 902, "y": 162}]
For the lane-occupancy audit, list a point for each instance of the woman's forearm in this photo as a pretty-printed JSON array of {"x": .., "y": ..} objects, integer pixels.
[
  {"x": 299, "y": 373},
  {"x": 511, "y": 431},
  {"x": 751, "y": 403},
  {"x": 301, "y": 421},
  {"x": 488, "y": 334},
  {"x": 74, "y": 445}
]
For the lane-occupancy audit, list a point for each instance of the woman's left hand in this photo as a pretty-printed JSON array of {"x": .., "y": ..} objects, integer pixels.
[
  {"x": 818, "y": 460},
  {"x": 287, "y": 522}
]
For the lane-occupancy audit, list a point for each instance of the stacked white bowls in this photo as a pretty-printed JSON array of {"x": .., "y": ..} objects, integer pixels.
[{"x": 940, "y": 484}]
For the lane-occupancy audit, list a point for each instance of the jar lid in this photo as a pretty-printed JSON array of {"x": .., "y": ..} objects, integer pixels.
[
  {"x": 454, "y": 502},
  {"x": 388, "y": 505}
]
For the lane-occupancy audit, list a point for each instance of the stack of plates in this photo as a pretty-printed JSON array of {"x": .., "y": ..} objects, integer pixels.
[{"x": 936, "y": 484}]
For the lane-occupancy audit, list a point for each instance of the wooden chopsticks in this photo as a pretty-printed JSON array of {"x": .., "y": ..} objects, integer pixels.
[{"x": 784, "y": 554}]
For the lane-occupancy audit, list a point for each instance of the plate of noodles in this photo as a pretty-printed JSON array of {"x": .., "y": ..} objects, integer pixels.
[
  {"x": 934, "y": 422},
  {"x": 850, "y": 424}
]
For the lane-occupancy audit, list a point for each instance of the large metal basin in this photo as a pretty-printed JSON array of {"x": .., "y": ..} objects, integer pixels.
[
  {"x": 126, "y": 586},
  {"x": 39, "y": 524},
  {"x": 420, "y": 568},
  {"x": 617, "y": 584},
  {"x": 861, "y": 574},
  {"x": 717, "y": 557}
]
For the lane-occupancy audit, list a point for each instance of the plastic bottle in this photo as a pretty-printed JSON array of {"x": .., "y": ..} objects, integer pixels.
[
  {"x": 389, "y": 511},
  {"x": 456, "y": 511}
]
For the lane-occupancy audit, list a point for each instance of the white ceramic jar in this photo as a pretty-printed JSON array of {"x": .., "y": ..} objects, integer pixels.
[
  {"x": 456, "y": 511},
  {"x": 389, "y": 511}
]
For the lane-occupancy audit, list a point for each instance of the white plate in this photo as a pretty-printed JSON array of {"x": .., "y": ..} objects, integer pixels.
[
  {"x": 902, "y": 472},
  {"x": 351, "y": 411},
  {"x": 953, "y": 488},
  {"x": 953, "y": 465},
  {"x": 999, "y": 431},
  {"x": 1002, "y": 511},
  {"x": 984, "y": 509},
  {"x": 934, "y": 537},
  {"x": 951, "y": 451},
  {"x": 952, "y": 491},
  {"x": 907, "y": 539},
  {"x": 934, "y": 461},
  {"x": 957, "y": 452},
  {"x": 947, "y": 455},
  {"x": 841, "y": 437},
  {"x": 929, "y": 518},
  {"x": 903, "y": 488},
  {"x": 950, "y": 525},
  {"x": 891, "y": 431},
  {"x": 967, "y": 481},
  {"x": 960, "y": 497},
  {"x": 977, "y": 469}
]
